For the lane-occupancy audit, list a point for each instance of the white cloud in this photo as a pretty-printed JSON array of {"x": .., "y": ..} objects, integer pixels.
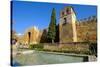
[{"x": 19, "y": 34}]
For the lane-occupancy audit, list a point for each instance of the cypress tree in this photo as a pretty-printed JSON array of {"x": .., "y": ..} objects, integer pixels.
[{"x": 52, "y": 27}]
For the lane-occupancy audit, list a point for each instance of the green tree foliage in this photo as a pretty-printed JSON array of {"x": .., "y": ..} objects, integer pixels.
[{"x": 52, "y": 27}]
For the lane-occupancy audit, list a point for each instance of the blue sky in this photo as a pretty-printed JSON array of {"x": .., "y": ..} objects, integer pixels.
[{"x": 28, "y": 14}]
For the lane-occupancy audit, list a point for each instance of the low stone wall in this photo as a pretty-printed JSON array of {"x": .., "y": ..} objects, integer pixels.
[{"x": 68, "y": 47}]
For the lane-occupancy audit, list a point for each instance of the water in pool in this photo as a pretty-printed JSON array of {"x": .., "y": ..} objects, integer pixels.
[{"x": 38, "y": 58}]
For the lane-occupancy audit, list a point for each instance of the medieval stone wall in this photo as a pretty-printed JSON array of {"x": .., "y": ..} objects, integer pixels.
[
  {"x": 68, "y": 30},
  {"x": 87, "y": 31},
  {"x": 75, "y": 31}
]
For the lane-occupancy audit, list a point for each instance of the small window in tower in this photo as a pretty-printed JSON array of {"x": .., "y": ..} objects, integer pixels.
[
  {"x": 65, "y": 21},
  {"x": 68, "y": 11}
]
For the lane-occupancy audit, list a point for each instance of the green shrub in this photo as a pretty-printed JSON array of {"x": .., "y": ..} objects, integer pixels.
[
  {"x": 31, "y": 46},
  {"x": 93, "y": 48},
  {"x": 36, "y": 46}
]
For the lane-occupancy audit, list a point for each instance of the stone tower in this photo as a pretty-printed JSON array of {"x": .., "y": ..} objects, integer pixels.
[
  {"x": 67, "y": 25},
  {"x": 31, "y": 36}
]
